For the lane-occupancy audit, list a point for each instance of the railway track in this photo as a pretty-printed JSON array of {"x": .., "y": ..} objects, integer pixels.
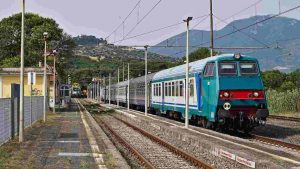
[
  {"x": 151, "y": 151},
  {"x": 275, "y": 142},
  {"x": 284, "y": 118}
]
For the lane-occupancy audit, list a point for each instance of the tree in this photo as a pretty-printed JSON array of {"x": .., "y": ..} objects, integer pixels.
[
  {"x": 273, "y": 79},
  {"x": 35, "y": 25},
  {"x": 200, "y": 53},
  {"x": 287, "y": 85}
]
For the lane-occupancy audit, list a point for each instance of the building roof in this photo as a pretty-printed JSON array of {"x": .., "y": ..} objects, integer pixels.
[{"x": 16, "y": 71}]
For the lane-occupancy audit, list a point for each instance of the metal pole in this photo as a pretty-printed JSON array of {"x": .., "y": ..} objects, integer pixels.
[
  {"x": 211, "y": 30},
  {"x": 31, "y": 100},
  {"x": 54, "y": 83},
  {"x": 128, "y": 82},
  {"x": 45, "y": 77},
  {"x": 118, "y": 88},
  {"x": 21, "y": 127},
  {"x": 187, "y": 75},
  {"x": 109, "y": 89},
  {"x": 146, "y": 87},
  {"x": 123, "y": 72}
]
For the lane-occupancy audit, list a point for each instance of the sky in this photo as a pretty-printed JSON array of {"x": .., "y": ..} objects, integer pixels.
[{"x": 101, "y": 17}]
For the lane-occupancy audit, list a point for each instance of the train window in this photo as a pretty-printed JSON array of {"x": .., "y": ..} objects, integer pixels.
[
  {"x": 173, "y": 88},
  {"x": 176, "y": 89},
  {"x": 248, "y": 68},
  {"x": 166, "y": 89},
  {"x": 209, "y": 69},
  {"x": 154, "y": 88},
  {"x": 227, "y": 68},
  {"x": 181, "y": 88},
  {"x": 159, "y": 89},
  {"x": 192, "y": 87},
  {"x": 170, "y": 89}
]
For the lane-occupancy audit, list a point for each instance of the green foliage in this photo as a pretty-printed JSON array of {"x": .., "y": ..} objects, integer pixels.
[
  {"x": 88, "y": 40},
  {"x": 35, "y": 25},
  {"x": 198, "y": 54},
  {"x": 282, "y": 102},
  {"x": 287, "y": 85},
  {"x": 273, "y": 79},
  {"x": 11, "y": 62}
]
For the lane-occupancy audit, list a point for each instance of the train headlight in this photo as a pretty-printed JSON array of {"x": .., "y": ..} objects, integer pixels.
[
  {"x": 237, "y": 55},
  {"x": 255, "y": 94},
  {"x": 226, "y": 106},
  {"x": 226, "y": 94}
]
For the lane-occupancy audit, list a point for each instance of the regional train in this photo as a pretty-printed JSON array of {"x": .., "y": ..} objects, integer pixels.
[{"x": 226, "y": 92}]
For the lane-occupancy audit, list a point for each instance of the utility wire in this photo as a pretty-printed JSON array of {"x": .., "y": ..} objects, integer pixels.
[
  {"x": 158, "y": 29},
  {"x": 142, "y": 18},
  {"x": 257, "y": 22},
  {"x": 264, "y": 44},
  {"x": 124, "y": 19}
]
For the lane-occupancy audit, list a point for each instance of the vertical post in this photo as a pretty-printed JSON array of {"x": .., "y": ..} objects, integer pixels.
[
  {"x": 45, "y": 75},
  {"x": 279, "y": 6},
  {"x": 123, "y": 72},
  {"x": 105, "y": 92},
  {"x": 211, "y": 30},
  {"x": 146, "y": 87},
  {"x": 54, "y": 82},
  {"x": 128, "y": 82},
  {"x": 31, "y": 82},
  {"x": 21, "y": 127},
  {"x": 109, "y": 89},
  {"x": 118, "y": 88},
  {"x": 187, "y": 74}
]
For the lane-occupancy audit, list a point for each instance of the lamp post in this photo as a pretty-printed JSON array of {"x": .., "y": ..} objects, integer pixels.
[
  {"x": 54, "y": 79},
  {"x": 146, "y": 72},
  {"x": 118, "y": 88},
  {"x": 21, "y": 127},
  {"x": 128, "y": 82},
  {"x": 45, "y": 34},
  {"x": 187, "y": 74}
]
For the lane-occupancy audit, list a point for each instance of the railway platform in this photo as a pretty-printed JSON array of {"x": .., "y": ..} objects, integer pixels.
[{"x": 67, "y": 140}]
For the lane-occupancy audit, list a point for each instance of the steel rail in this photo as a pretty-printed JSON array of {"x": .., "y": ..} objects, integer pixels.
[
  {"x": 275, "y": 142},
  {"x": 139, "y": 156},
  {"x": 284, "y": 118},
  {"x": 174, "y": 149}
]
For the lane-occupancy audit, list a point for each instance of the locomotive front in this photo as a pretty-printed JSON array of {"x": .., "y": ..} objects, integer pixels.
[{"x": 242, "y": 102}]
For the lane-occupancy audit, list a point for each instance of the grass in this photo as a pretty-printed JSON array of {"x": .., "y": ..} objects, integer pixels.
[
  {"x": 84, "y": 164},
  {"x": 110, "y": 162}
]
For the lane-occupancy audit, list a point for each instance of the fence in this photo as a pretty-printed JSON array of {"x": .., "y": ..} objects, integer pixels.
[{"x": 9, "y": 115}]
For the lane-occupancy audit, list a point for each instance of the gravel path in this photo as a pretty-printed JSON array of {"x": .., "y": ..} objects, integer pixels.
[{"x": 159, "y": 156}]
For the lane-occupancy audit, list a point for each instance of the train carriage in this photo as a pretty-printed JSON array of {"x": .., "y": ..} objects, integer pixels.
[{"x": 225, "y": 91}]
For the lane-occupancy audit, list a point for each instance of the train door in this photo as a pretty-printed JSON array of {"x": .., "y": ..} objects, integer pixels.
[
  {"x": 198, "y": 88},
  {"x": 208, "y": 87}
]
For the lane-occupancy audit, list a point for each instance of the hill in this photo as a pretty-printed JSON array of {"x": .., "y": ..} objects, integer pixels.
[{"x": 281, "y": 35}]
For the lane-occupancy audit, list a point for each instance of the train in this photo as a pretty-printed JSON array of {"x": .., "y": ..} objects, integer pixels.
[
  {"x": 76, "y": 90},
  {"x": 226, "y": 92}
]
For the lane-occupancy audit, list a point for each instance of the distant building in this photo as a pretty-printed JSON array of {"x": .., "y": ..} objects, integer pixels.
[{"x": 9, "y": 76}]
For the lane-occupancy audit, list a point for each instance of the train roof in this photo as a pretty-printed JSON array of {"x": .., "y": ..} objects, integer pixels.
[
  {"x": 140, "y": 79},
  {"x": 196, "y": 66}
]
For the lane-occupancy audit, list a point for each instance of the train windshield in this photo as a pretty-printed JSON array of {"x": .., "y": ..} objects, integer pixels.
[
  {"x": 248, "y": 68},
  {"x": 227, "y": 69}
]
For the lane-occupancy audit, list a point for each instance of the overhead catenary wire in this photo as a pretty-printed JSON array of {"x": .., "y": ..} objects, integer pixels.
[
  {"x": 158, "y": 29},
  {"x": 136, "y": 5},
  {"x": 141, "y": 20},
  {"x": 251, "y": 37},
  {"x": 253, "y": 24}
]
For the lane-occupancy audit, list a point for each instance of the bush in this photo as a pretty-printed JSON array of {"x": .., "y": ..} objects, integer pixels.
[{"x": 282, "y": 102}]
